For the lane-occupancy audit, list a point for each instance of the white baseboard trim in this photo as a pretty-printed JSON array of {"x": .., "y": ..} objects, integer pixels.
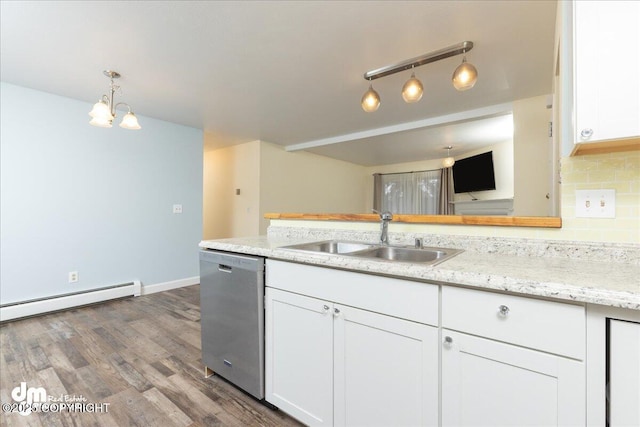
[
  {"x": 166, "y": 286},
  {"x": 63, "y": 302}
]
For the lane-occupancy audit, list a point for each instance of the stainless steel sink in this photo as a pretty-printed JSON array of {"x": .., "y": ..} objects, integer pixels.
[
  {"x": 428, "y": 256},
  {"x": 331, "y": 247},
  {"x": 424, "y": 255}
]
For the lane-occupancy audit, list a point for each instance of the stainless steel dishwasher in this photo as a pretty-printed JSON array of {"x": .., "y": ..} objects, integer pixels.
[{"x": 232, "y": 318}]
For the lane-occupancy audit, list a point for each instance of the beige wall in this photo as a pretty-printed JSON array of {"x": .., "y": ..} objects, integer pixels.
[
  {"x": 617, "y": 170},
  {"x": 273, "y": 180},
  {"x": 532, "y": 157},
  {"x": 306, "y": 182},
  {"x": 226, "y": 214}
]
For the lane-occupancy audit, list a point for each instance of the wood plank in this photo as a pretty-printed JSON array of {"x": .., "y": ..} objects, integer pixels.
[
  {"x": 498, "y": 220},
  {"x": 164, "y": 405},
  {"x": 136, "y": 353}
]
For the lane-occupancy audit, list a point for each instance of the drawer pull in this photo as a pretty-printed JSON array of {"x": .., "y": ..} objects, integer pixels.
[
  {"x": 503, "y": 310},
  {"x": 336, "y": 312},
  {"x": 448, "y": 341},
  {"x": 325, "y": 309}
]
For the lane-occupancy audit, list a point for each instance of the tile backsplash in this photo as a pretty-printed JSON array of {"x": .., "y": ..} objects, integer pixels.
[{"x": 617, "y": 171}]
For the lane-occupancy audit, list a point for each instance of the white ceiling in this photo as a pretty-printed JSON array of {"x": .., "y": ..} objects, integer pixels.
[{"x": 280, "y": 71}]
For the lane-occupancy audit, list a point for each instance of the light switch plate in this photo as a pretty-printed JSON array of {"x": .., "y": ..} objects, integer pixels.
[{"x": 595, "y": 203}]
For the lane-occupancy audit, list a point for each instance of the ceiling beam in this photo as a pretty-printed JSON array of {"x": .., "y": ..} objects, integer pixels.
[{"x": 478, "y": 113}]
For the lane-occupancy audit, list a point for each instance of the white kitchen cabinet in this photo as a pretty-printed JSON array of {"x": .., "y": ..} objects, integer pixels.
[
  {"x": 489, "y": 383},
  {"x": 511, "y": 361},
  {"x": 624, "y": 373},
  {"x": 607, "y": 55},
  {"x": 385, "y": 370},
  {"x": 332, "y": 364},
  {"x": 606, "y": 62},
  {"x": 299, "y": 356}
]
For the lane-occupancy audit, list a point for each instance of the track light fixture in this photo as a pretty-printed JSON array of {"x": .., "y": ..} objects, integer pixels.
[
  {"x": 104, "y": 111},
  {"x": 448, "y": 161},
  {"x": 464, "y": 77}
]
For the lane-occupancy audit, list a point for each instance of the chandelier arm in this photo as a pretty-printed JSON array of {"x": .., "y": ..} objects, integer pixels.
[
  {"x": 122, "y": 103},
  {"x": 436, "y": 55}
]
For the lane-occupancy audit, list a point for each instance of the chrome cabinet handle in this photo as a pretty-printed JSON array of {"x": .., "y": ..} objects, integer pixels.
[
  {"x": 336, "y": 312},
  {"x": 448, "y": 341},
  {"x": 503, "y": 310},
  {"x": 586, "y": 133},
  {"x": 325, "y": 309}
]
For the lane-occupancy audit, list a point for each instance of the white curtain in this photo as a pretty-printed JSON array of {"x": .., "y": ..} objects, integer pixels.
[{"x": 408, "y": 193}]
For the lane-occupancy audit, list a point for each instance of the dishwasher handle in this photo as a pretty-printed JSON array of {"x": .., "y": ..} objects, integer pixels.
[{"x": 224, "y": 268}]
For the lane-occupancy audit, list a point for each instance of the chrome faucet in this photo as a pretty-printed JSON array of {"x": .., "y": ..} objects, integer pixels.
[{"x": 385, "y": 217}]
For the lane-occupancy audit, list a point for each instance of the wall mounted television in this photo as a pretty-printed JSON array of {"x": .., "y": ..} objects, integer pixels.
[{"x": 474, "y": 173}]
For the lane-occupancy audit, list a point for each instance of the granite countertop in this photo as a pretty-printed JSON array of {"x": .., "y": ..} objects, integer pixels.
[{"x": 587, "y": 281}]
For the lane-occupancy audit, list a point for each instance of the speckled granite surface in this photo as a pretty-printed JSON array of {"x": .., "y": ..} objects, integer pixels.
[{"x": 598, "y": 274}]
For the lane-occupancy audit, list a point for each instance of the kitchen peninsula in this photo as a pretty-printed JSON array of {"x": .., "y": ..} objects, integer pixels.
[{"x": 512, "y": 320}]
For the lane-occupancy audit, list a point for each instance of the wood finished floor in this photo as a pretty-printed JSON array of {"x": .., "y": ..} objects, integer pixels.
[{"x": 141, "y": 355}]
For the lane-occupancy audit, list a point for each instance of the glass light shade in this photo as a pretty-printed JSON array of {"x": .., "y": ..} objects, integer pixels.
[
  {"x": 412, "y": 89},
  {"x": 448, "y": 162},
  {"x": 100, "y": 122},
  {"x": 101, "y": 111},
  {"x": 370, "y": 100},
  {"x": 130, "y": 121},
  {"x": 465, "y": 76}
]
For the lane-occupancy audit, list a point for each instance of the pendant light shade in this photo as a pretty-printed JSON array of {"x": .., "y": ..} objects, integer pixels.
[
  {"x": 412, "y": 90},
  {"x": 101, "y": 122},
  {"x": 370, "y": 100},
  {"x": 465, "y": 76},
  {"x": 101, "y": 111},
  {"x": 130, "y": 121},
  {"x": 448, "y": 161}
]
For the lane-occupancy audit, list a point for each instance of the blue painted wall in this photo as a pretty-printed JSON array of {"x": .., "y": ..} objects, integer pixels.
[{"x": 98, "y": 201}]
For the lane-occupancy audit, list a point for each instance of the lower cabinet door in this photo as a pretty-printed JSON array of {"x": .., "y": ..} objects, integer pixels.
[
  {"x": 299, "y": 356},
  {"x": 488, "y": 383},
  {"x": 386, "y": 370}
]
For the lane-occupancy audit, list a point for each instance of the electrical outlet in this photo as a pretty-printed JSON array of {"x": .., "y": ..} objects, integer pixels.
[
  {"x": 73, "y": 276},
  {"x": 177, "y": 209},
  {"x": 596, "y": 203}
]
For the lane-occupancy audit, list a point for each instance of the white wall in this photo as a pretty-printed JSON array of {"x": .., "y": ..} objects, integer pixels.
[{"x": 98, "y": 201}]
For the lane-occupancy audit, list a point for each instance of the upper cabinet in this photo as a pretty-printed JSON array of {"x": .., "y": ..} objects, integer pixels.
[{"x": 599, "y": 64}]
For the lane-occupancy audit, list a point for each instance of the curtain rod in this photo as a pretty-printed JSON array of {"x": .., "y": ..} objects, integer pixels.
[{"x": 399, "y": 173}]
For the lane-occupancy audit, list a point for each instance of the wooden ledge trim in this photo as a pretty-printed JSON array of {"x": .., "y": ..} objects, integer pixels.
[{"x": 503, "y": 221}]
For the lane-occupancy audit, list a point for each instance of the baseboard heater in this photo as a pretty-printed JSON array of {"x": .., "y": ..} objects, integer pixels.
[{"x": 62, "y": 302}]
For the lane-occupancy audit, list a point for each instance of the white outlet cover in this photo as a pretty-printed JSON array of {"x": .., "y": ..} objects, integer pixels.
[
  {"x": 595, "y": 203},
  {"x": 177, "y": 209}
]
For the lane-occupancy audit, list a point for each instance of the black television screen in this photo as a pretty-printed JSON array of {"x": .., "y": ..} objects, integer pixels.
[{"x": 474, "y": 173}]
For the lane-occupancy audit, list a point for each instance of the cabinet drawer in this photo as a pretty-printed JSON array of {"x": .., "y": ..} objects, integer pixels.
[
  {"x": 405, "y": 299},
  {"x": 543, "y": 325}
]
